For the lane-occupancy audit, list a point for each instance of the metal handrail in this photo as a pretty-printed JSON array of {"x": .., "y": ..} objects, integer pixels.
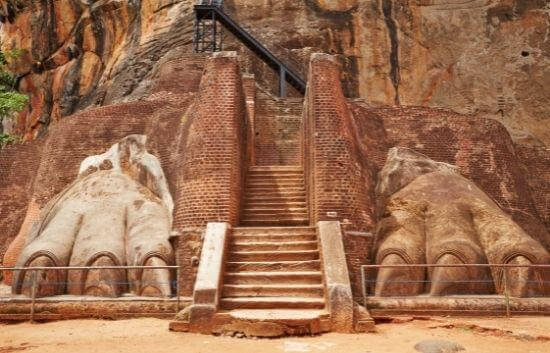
[
  {"x": 69, "y": 268},
  {"x": 500, "y": 266},
  {"x": 217, "y": 3},
  {"x": 287, "y": 72},
  {"x": 88, "y": 268}
]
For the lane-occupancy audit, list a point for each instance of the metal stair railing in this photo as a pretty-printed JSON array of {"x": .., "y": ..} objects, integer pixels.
[{"x": 289, "y": 70}]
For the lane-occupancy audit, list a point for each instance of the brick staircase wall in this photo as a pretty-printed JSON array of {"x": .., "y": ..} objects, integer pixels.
[
  {"x": 337, "y": 186},
  {"x": 213, "y": 154}
]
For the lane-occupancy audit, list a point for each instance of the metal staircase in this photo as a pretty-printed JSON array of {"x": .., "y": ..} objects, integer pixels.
[{"x": 208, "y": 38}]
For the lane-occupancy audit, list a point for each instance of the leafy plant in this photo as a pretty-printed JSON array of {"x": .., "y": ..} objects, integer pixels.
[{"x": 11, "y": 101}]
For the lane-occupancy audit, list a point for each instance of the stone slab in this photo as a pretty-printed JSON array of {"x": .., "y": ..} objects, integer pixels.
[{"x": 339, "y": 295}]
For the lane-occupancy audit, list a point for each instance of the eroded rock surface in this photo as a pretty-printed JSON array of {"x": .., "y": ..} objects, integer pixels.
[
  {"x": 486, "y": 57},
  {"x": 433, "y": 215},
  {"x": 117, "y": 212}
]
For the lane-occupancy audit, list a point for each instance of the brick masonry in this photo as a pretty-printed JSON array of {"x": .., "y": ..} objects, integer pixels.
[
  {"x": 18, "y": 166},
  {"x": 201, "y": 118},
  {"x": 337, "y": 187},
  {"x": 481, "y": 148},
  {"x": 346, "y": 144},
  {"x": 212, "y": 158},
  {"x": 278, "y": 124},
  {"x": 536, "y": 169}
]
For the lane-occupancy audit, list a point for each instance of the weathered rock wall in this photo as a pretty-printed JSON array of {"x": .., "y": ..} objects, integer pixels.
[{"x": 489, "y": 57}]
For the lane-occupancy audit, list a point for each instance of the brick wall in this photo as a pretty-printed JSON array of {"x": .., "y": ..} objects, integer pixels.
[
  {"x": 18, "y": 166},
  {"x": 212, "y": 153},
  {"x": 278, "y": 124},
  {"x": 481, "y": 148},
  {"x": 337, "y": 187},
  {"x": 213, "y": 156},
  {"x": 536, "y": 169}
]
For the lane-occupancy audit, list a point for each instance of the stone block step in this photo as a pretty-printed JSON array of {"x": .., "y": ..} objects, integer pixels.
[
  {"x": 273, "y": 266},
  {"x": 271, "y": 222},
  {"x": 278, "y": 176},
  {"x": 273, "y": 230},
  {"x": 273, "y": 290},
  {"x": 272, "y": 303},
  {"x": 259, "y": 175},
  {"x": 274, "y": 193},
  {"x": 276, "y": 218},
  {"x": 278, "y": 205},
  {"x": 274, "y": 183},
  {"x": 277, "y": 168},
  {"x": 269, "y": 214},
  {"x": 275, "y": 238},
  {"x": 263, "y": 189},
  {"x": 300, "y": 277},
  {"x": 273, "y": 245},
  {"x": 275, "y": 198},
  {"x": 271, "y": 323},
  {"x": 298, "y": 255}
]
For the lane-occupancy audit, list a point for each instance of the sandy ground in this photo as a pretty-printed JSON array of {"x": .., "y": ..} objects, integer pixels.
[{"x": 522, "y": 335}]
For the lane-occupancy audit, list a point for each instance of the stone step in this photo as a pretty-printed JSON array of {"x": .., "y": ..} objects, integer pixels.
[
  {"x": 279, "y": 176},
  {"x": 273, "y": 230},
  {"x": 272, "y": 192},
  {"x": 275, "y": 198},
  {"x": 230, "y": 303},
  {"x": 273, "y": 290},
  {"x": 273, "y": 245},
  {"x": 275, "y": 170},
  {"x": 275, "y": 238},
  {"x": 274, "y": 184},
  {"x": 262, "y": 189},
  {"x": 270, "y": 222},
  {"x": 289, "y": 212},
  {"x": 278, "y": 205},
  {"x": 273, "y": 266},
  {"x": 301, "y": 277},
  {"x": 259, "y": 256},
  {"x": 283, "y": 216}
]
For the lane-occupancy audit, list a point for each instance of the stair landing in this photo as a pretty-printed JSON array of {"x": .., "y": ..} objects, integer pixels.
[{"x": 271, "y": 322}]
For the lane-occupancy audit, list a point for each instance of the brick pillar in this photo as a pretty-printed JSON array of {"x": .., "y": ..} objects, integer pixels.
[
  {"x": 212, "y": 150},
  {"x": 338, "y": 187}
]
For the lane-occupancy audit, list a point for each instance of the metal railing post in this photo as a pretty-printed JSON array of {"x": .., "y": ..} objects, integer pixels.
[
  {"x": 363, "y": 286},
  {"x": 506, "y": 294},
  {"x": 178, "y": 290},
  {"x": 282, "y": 82},
  {"x": 33, "y": 295}
]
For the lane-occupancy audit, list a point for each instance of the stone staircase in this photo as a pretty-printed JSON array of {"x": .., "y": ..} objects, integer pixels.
[
  {"x": 273, "y": 267},
  {"x": 275, "y": 196},
  {"x": 273, "y": 284}
]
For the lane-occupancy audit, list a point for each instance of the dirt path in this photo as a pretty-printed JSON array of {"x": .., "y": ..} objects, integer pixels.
[{"x": 521, "y": 335}]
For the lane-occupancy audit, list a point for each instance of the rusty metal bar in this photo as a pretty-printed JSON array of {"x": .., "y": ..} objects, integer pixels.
[
  {"x": 459, "y": 265},
  {"x": 89, "y": 268},
  {"x": 33, "y": 295}
]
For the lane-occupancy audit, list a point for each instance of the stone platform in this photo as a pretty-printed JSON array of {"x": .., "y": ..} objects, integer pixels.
[
  {"x": 66, "y": 307},
  {"x": 265, "y": 323},
  {"x": 489, "y": 305}
]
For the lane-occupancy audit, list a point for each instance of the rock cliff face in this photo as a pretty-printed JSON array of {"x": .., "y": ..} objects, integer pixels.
[{"x": 485, "y": 57}]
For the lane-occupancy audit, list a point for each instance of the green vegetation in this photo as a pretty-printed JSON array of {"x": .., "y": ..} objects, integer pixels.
[{"x": 11, "y": 101}]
